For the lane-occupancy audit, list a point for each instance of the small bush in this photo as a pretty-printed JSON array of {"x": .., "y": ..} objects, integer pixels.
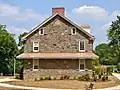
[
  {"x": 17, "y": 76},
  {"x": 118, "y": 66},
  {"x": 47, "y": 78},
  {"x": 80, "y": 78},
  {"x": 98, "y": 70},
  {"x": 103, "y": 78},
  {"x": 41, "y": 78},
  {"x": 95, "y": 78},
  {"x": 110, "y": 69},
  {"x": 99, "y": 76},
  {"x": 86, "y": 77}
]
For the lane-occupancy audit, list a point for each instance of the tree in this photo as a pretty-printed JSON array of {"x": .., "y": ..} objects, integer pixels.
[
  {"x": 21, "y": 43},
  {"x": 114, "y": 37},
  {"x": 8, "y": 50},
  {"x": 105, "y": 54}
]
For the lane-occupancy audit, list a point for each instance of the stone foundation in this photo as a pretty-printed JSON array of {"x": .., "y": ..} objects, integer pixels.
[{"x": 30, "y": 75}]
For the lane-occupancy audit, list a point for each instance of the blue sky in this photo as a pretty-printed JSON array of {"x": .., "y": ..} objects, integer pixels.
[{"x": 23, "y": 15}]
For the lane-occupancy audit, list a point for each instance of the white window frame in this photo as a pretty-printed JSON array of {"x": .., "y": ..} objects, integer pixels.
[
  {"x": 40, "y": 31},
  {"x": 82, "y": 63},
  {"x": 34, "y": 65},
  {"x": 84, "y": 46},
  {"x": 72, "y": 31},
  {"x": 34, "y": 46}
]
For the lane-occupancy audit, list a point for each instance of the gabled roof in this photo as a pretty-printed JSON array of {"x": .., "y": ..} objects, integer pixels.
[{"x": 51, "y": 17}]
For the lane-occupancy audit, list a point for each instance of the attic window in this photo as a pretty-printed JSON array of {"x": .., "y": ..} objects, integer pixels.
[
  {"x": 41, "y": 31},
  {"x": 73, "y": 31}
]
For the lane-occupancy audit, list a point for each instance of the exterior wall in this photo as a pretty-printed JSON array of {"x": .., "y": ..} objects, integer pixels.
[
  {"x": 54, "y": 68},
  {"x": 57, "y": 38}
]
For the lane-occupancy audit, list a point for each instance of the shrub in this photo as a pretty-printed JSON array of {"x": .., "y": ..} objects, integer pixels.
[
  {"x": 80, "y": 78},
  {"x": 95, "y": 78},
  {"x": 66, "y": 77},
  {"x": 86, "y": 77},
  {"x": 41, "y": 78},
  {"x": 118, "y": 66},
  {"x": 98, "y": 70},
  {"x": 47, "y": 78},
  {"x": 110, "y": 69},
  {"x": 99, "y": 76},
  {"x": 17, "y": 76},
  {"x": 106, "y": 77},
  {"x": 103, "y": 78}
]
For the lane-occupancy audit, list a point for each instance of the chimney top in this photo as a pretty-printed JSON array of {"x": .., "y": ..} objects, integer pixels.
[{"x": 59, "y": 10}]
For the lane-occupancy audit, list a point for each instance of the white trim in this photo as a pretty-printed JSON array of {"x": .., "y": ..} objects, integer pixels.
[
  {"x": 33, "y": 65},
  {"x": 72, "y": 31},
  {"x": 40, "y": 31},
  {"x": 84, "y": 65},
  {"x": 40, "y": 25},
  {"x": 84, "y": 47},
  {"x": 34, "y": 46}
]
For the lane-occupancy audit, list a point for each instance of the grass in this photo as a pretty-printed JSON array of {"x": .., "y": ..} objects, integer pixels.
[{"x": 66, "y": 84}]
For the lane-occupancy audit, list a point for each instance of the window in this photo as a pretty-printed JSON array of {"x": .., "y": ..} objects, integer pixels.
[
  {"x": 82, "y": 46},
  {"x": 35, "y": 46},
  {"x": 73, "y": 31},
  {"x": 81, "y": 64},
  {"x": 35, "y": 65},
  {"x": 41, "y": 31}
]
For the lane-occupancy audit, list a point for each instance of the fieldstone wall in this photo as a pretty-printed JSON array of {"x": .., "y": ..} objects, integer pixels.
[
  {"x": 57, "y": 38},
  {"x": 54, "y": 68},
  {"x": 31, "y": 75}
]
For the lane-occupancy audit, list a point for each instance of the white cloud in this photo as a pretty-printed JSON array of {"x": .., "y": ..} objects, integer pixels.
[
  {"x": 16, "y": 30},
  {"x": 6, "y": 10},
  {"x": 17, "y": 13},
  {"x": 95, "y": 12}
]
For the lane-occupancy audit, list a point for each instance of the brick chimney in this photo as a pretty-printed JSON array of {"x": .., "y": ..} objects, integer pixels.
[{"x": 59, "y": 10}]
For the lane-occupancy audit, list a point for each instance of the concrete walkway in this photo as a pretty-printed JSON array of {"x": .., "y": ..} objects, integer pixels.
[{"x": 33, "y": 88}]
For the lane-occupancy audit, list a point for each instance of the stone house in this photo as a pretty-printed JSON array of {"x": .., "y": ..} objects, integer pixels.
[{"x": 57, "y": 46}]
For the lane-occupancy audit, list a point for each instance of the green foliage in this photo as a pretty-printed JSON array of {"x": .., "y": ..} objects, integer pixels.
[
  {"x": 118, "y": 66},
  {"x": 110, "y": 69},
  {"x": 95, "y": 62},
  {"x": 85, "y": 77},
  {"x": 97, "y": 69},
  {"x": 105, "y": 54},
  {"x": 21, "y": 43},
  {"x": 114, "y": 38},
  {"x": 8, "y": 51}
]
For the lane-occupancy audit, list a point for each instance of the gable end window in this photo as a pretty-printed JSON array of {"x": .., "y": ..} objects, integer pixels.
[
  {"x": 35, "y": 46},
  {"x": 41, "y": 31},
  {"x": 73, "y": 31},
  {"x": 81, "y": 45}
]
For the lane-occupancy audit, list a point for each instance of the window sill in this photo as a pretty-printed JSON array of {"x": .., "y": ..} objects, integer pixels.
[
  {"x": 35, "y": 51},
  {"x": 81, "y": 50},
  {"x": 35, "y": 69}
]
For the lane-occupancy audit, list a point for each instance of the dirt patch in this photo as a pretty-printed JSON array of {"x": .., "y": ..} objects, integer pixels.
[
  {"x": 2, "y": 77},
  {"x": 67, "y": 84}
]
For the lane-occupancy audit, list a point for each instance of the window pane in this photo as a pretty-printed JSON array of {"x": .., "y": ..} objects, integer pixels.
[
  {"x": 81, "y": 61},
  {"x": 36, "y": 63},
  {"x": 35, "y": 66},
  {"x": 74, "y": 31},
  {"x": 81, "y": 66},
  {"x": 81, "y": 45},
  {"x": 35, "y": 48},
  {"x": 41, "y": 31}
]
